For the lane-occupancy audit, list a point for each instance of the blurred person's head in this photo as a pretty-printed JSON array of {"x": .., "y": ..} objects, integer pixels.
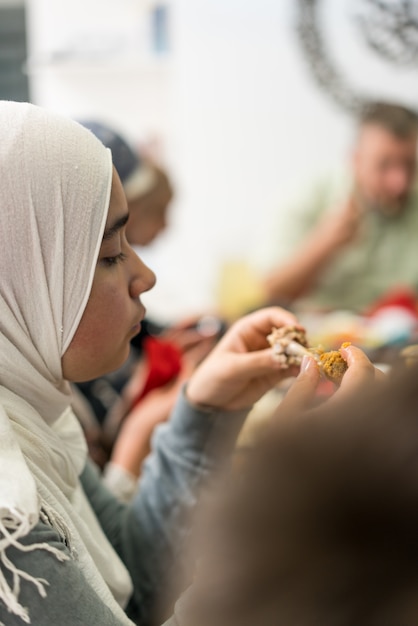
[
  {"x": 148, "y": 211},
  {"x": 147, "y": 187},
  {"x": 320, "y": 528},
  {"x": 385, "y": 156}
]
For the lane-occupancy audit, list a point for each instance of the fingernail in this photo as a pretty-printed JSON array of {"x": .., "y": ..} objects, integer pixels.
[
  {"x": 306, "y": 361},
  {"x": 344, "y": 346}
]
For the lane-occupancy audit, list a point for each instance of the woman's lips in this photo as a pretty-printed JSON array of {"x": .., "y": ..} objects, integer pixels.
[{"x": 137, "y": 325}]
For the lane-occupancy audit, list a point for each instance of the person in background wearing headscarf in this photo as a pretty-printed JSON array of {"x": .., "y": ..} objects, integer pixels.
[{"x": 147, "y": 186}]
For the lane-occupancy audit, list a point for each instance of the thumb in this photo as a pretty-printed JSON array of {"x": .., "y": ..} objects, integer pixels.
[
  {"x": 258, "y": 363},
  {"x": 300, "y": 395}
]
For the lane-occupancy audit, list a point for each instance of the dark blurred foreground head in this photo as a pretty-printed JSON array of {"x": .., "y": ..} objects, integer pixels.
[{"x": 322, "y": 527}]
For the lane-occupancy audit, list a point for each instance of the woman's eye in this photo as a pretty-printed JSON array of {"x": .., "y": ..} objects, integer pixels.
[{"x": 114, "y": 260}]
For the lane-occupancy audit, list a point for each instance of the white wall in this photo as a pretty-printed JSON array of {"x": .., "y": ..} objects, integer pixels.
[{"x": 241, "y": 122}]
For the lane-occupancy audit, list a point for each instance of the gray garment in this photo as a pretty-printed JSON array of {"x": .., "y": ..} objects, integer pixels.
[{"x": 148, "y": 534}]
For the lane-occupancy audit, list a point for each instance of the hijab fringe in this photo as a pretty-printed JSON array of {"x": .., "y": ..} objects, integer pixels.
[{"x": 12, "y": 529}]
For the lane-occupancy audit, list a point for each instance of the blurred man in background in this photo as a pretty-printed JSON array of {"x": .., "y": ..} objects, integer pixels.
[{"x": 354, "y": 239}]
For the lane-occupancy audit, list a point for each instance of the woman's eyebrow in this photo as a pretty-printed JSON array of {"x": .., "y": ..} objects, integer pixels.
[{"x": 112, "y": 230}]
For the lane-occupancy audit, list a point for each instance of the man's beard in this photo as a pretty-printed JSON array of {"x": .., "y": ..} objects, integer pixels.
[{"x": 387, "y": 207}]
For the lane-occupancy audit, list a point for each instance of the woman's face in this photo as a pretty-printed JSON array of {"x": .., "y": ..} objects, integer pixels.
[{"x": 114, "y": 312}]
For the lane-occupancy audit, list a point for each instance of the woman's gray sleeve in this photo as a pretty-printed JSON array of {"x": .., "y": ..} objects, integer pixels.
[{"x": 150, "y": 533}]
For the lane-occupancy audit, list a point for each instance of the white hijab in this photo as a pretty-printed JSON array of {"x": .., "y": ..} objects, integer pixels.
[{"x": 55, "y": 182}]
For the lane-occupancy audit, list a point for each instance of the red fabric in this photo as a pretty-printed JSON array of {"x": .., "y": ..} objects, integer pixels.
[
  {"x": 403, "y": 298},
  {"x": 164, "y": 361}
]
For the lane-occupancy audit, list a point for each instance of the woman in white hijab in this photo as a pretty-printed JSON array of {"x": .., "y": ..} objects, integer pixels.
[{"x": 69, "y": 305}]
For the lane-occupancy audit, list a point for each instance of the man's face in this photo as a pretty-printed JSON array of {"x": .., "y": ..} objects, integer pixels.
[{"x": 384, "y": 168}]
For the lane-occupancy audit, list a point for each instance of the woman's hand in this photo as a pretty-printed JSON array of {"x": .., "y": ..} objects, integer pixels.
[
  {"x": 360, "y": 374},
  {"x": 241, "y": 367}
]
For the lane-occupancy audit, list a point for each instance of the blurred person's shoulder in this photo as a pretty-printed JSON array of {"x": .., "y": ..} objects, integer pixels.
[{"x": 327, "y": 191}]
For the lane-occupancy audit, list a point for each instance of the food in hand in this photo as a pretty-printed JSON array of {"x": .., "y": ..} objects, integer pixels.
[
  {"x": 333, "y": 365},
  {"x": 290, "y": 344}
]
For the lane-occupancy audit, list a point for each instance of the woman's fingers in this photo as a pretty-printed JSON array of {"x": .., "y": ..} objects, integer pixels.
[
  {"x": 250, "y": 365},
  {"x": 250, "y": 332},
  {"x": 360, "y": 368},
  {"x": 241, "y": 367},
  {"x": 360, "y": 374},
  {"x": 301, "y": 394}
]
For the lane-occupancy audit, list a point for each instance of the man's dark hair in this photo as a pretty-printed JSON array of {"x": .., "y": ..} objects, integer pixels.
[{"x": 395, "y": 118}]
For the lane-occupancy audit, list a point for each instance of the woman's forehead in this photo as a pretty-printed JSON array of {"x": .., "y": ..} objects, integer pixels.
[{"x": 118, "y": 203}]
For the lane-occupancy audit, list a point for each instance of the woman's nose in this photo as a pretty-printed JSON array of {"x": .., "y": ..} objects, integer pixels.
[{"x": 142, "y": 279}]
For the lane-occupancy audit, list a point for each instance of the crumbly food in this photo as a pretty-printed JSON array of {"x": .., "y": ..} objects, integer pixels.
[
  {"x": 282, "y": 340},
  {"x": 289, "y": 345},
  {"x": 333, "y": 365}
]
